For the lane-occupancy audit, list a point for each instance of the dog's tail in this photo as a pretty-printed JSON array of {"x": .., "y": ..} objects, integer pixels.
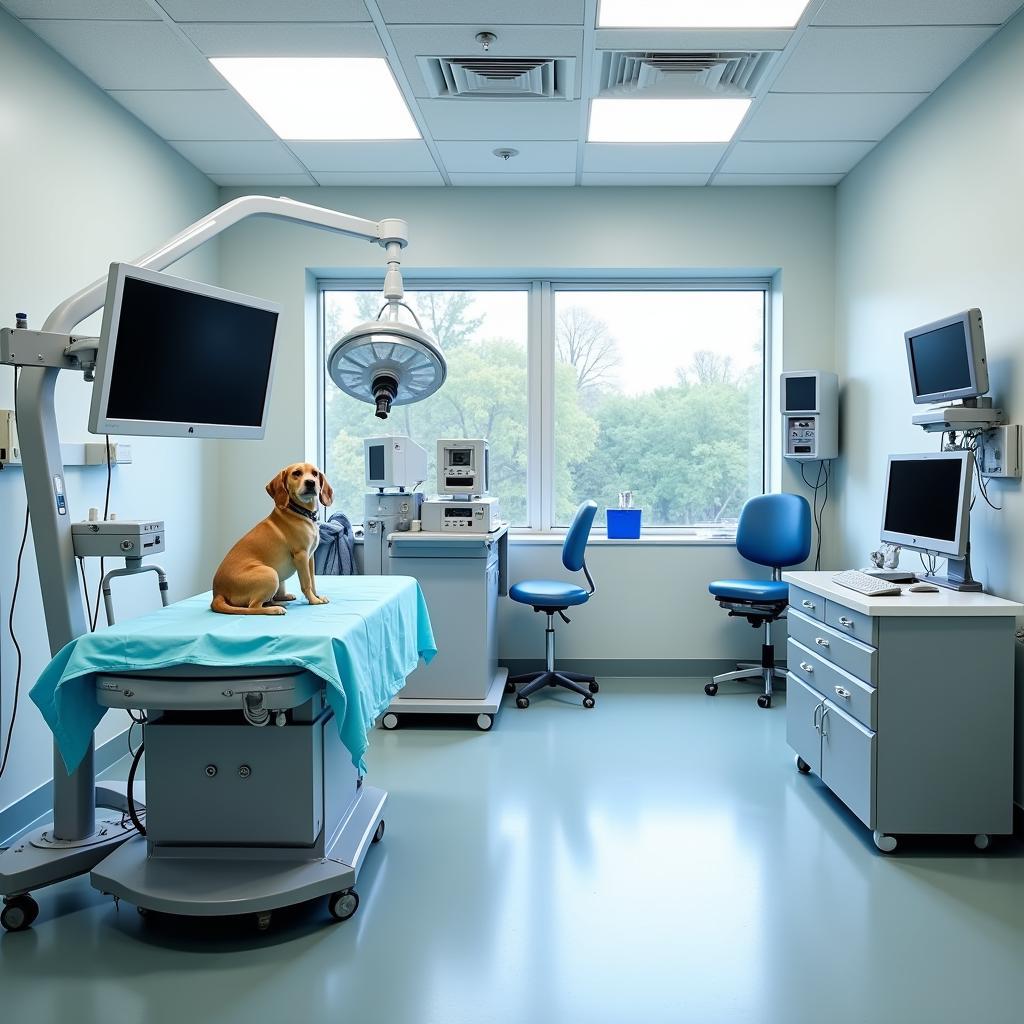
[{"x": 220, "y": 604}]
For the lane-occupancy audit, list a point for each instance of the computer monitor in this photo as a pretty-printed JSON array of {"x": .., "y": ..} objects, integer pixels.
[
  {"x": 947, "y": 359},
  {"x": 182, "y": 359},
  {"x": 927, "y": 502}
]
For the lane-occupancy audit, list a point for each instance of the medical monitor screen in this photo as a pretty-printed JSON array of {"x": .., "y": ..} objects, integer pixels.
[
  {"x": 183, "y": 361},
  {"x": 460, "y": 457},
  {"x": 801, "y": 394},
  {"x": 376, "y": 457},
  {"x": 924, "y": 498},
  {"x": 940, "y": 360}
]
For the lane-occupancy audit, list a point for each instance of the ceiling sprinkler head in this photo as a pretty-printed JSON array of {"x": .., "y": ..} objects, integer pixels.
[
  {"x": 506, "y": 154},
  {"x": 486, "y": 40}
]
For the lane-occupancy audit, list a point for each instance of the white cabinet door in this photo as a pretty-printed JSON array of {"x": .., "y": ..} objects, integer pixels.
[{"x": 804, "y": 708}]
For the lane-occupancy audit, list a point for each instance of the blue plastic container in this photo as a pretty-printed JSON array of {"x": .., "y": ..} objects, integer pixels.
[{"x": 624, "y": 523}]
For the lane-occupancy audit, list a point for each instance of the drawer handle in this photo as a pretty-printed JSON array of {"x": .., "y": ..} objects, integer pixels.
[
  {"x": 808, "y": 604},
  {"x": 814, "y": 718},
  {"x": 844, "y": 621},
  {"x": 842, "y": 691},
  {"x": 807, "y": 666},
  {"x": 824, "y": 718},
  {"x": 821, "y": 641}
]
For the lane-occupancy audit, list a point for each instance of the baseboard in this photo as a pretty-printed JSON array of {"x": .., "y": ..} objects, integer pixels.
[
  {"x": 688, "y": 667},
  {"x": 37, "y": 805}
]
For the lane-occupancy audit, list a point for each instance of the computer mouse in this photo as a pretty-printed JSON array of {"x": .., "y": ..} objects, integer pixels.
[{"x": 923, "y": 588}]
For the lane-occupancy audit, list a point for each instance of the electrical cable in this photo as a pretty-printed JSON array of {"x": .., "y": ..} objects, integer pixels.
[
  {"x": 820, "y": 484},
  {"x": 132, "y": 811}
]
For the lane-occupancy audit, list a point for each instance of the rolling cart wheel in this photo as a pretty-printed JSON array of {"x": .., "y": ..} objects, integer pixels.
[
  {"x": 594, "y": 688},
  {"x": 510, "y": 687},
  {"x": 764, "y": 701},
  {"x": 343, "y": 905},
  {"x": 801, "y": 765},
  {"x": 378, "y": 834},
  {"x": 981, "y": 841},
  {"x": 522, "y": 702},
  {"x": 589, "y": 702},
  {"x": 885, "y": 843},
  {"x": 711, "y": 689},
  {"x": 390, "y": 720},
  {"x": 263, "y": 921},
  {"x": 484, "y": 722},
  {"x": 19, "y": 912}
]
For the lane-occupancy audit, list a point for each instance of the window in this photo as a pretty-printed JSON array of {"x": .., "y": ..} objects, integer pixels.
[{"x": 583, "y": 391}]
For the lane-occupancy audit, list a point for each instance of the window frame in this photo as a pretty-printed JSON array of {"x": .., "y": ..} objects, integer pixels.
[{"x": 541, "y": 291}]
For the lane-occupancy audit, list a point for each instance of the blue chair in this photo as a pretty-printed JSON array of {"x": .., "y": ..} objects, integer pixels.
[
  {"x": 551, "y": 596},
  {"x": 774, "y": 530}
]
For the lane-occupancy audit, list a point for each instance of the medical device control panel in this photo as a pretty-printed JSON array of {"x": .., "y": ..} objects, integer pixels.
[
  {"x": 810, "y": 412},
  {"x": 463, "y": 466},
  {"x": 117, "y": 538},
  {"x": 477, "y": 515}
]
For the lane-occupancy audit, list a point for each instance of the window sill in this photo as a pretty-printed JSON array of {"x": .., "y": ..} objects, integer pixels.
[{"x": 663, "y": 540}]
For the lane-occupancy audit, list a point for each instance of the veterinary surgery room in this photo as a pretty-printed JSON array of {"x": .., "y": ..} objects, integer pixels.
[{"x": 512, "y": 512}]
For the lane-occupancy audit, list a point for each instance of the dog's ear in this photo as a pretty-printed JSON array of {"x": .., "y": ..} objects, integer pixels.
[
  {"x": 278, "y": 488},
  {"x": 326, "y": 490}
]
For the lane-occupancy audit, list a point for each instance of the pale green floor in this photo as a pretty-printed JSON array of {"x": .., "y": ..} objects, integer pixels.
[{"x": 657, "y": 859}]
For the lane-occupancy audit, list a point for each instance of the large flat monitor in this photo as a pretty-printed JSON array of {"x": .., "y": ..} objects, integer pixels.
[
  {"x": 182, "y": 359},
  {"x": 927, "y": 502},
  {"x": 947, "y": 359}
]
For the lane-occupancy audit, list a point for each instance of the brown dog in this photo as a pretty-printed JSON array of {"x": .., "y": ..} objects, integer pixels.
[{"x": 251, "y": 578}]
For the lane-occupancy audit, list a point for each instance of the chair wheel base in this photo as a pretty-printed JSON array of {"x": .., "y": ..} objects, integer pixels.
[
  {"x": 764, "y": 701},
  {"x": 522, "y": 702},
  {"x": 711, "y": 689},
  {"x": 589, "y": 702}
]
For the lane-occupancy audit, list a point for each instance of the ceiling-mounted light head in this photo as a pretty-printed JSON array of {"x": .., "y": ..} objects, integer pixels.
[
  {"x": 486, "y": 40},
  {"x": 387, "y": 362}
]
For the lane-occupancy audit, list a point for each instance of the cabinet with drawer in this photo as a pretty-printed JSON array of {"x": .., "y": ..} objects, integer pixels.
[{"x": 905, "y": 711}]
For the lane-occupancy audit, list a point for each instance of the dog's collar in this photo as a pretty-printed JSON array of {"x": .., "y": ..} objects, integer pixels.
[{"x": 294, "y": 507}]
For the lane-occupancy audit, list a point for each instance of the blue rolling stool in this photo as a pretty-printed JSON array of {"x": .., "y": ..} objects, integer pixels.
[
  {"x": 550, "y": 596},
  {"x": 774, "y": 530}
]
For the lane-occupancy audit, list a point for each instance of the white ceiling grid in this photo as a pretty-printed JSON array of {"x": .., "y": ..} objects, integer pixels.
[{"x": 848, "y": 73}]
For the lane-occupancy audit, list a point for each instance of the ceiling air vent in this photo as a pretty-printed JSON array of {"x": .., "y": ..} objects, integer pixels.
[
  {"x": 523, "y": 78},
  {"x": 682, "y": 73}
]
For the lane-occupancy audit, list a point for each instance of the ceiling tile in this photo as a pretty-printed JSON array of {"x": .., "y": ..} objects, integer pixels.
[
  {"x": 916, "y": 12},
  {"x": 508, "y": 120},
  {"x": 692, "y": 39},
  {"x": 271, "y": 39},
  {"x": 412, "y": 41},
  {"x": 848, "y": 115},
  {"x": 266, "y": 10},
  {"x": 878, "y": 59},
  {"x": 389, "y": 155},
  {"x": 777, "y": 179},
  {"x": 239, "y": 157},
  {"x": 533, "y": 157},
  {"x": 483, "y": 12},
  {"x": 796, "y": 157},
  {"x": 655, "y": 157},
  {"x": 263, "y": 180},
  {"x": 206, "y": 114},
  {"x": 129, "y": 54},
  {"x": 128, "y": 10},
  {"x": 513, "y": 179},
  {"x": 654, "y": 180},
  {"x": 379, "y": 178}
]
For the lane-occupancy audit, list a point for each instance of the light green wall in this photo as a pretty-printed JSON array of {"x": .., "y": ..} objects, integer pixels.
[
  {"x": 929, "y": 223},
  {"x": 653, "y": 601},
  {"x": 82, "y": 183}
]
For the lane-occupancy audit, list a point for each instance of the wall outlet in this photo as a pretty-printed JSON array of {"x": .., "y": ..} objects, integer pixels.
[
  {"x": 120, "y": 453},
  {"x": 999, "y": 453},
  {"x": 10, "y": 452}
]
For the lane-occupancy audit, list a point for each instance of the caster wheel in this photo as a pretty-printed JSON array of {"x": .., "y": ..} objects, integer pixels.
[
  {"x": 484, "y": 722},
  {"x": 263, "y": 921},
  {"x": 378, "y": 834},
  {"x": 390, "y": 720},
  {"x": 343, "y": 905},
  {"x": 522, "y": 702},
  {"x": 510, "y": 687},
  {"x": 594, "y": 688},
  {"x": 802, "y": 766},
  {"x": 981, "y": 841},
  {"x": 711, "y": 689},
  {"x": 19, "y": 912},
  {"x": 589, "y": 702},
  {"x": 885, "y": 843},
  {"x": 764, "y": 701}
]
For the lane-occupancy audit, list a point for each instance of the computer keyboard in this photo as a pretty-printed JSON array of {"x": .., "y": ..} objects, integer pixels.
[{"x": 865, "y": 584}]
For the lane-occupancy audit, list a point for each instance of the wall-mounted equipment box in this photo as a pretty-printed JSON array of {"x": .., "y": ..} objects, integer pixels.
[{"x": 810, "y": 415}]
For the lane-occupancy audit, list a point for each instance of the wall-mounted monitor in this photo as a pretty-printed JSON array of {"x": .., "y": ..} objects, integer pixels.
[
  {"x": 947, "y": 359},
  {"x": 182, "y": 359}
]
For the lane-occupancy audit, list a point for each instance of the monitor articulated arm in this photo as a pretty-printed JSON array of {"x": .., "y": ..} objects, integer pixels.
[{"x": 74, "y": 794}]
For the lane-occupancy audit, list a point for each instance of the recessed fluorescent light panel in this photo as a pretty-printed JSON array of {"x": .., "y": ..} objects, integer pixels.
[
  {"x": 700, "y": 13},
  {"x": 322, "y": 97},
  {"x": 686, "y": 120}
]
